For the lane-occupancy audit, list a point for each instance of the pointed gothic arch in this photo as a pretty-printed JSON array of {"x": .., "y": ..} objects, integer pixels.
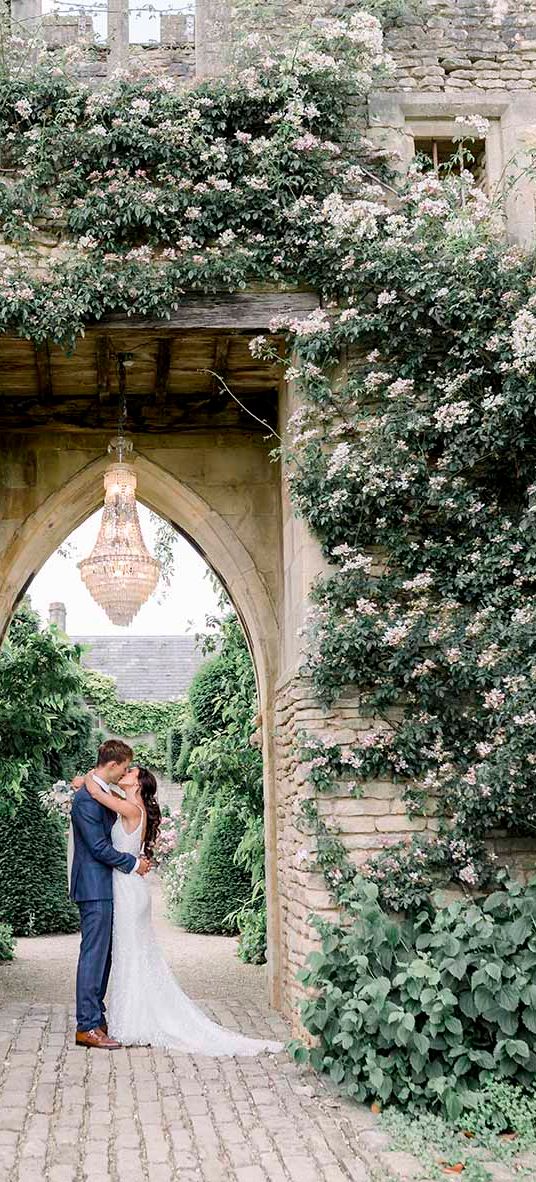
[{"x": 212, "y": 536}]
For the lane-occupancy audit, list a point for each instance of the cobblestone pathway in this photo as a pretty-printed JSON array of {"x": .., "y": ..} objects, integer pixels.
[{"x": 144, "y": 1115}]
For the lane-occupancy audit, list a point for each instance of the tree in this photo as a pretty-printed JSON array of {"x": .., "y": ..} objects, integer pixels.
[
  {"x": 45, "y": 727},
  {"x": 45, "y": 734}
]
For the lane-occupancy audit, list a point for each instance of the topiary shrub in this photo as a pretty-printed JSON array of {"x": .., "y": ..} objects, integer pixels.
[
  {"x": 7, "y": 943},
  {"x": 252, "y": 943},
  {"x": 34, "y": 897},
  {"x": 205, "y": 695},
  {"x": 173, "y": 750},
  {"x": 216, "y": 885},
  {"x": 426, "y": 1013}
]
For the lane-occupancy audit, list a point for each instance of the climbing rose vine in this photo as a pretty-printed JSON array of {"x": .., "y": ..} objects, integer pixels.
[
  {"x": 145, "y": 191},
  {"x": 413, "y": 463},
  {"x": 416, "y": 472}
]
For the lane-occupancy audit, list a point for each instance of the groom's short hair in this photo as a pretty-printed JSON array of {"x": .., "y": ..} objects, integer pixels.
[{"x": 113, "y": 751}]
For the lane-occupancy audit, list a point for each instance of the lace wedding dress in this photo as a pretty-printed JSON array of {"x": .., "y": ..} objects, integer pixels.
[{"x": 146, "y": 1004}]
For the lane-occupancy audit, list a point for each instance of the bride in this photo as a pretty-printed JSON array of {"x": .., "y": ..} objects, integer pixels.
[{"x": 146, "y": 1004}]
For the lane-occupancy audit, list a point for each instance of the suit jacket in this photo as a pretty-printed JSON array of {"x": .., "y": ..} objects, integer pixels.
[{"x": 94, "y": 855}]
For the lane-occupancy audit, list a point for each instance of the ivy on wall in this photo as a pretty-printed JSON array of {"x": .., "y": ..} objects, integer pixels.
[{"x": 130, "y": 719}]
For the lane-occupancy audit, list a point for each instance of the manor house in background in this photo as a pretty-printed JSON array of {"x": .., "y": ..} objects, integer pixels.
[{"x": 145, "y": 668}]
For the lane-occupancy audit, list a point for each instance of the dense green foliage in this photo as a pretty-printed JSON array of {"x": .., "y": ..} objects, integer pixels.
[
  {"x": 45, "y": 728},
  {"x": 424, "y": 509},
  {"x": 7, "y": 943},
  {"x": 215, "y": 880},
  {"x": 250, "y": 917},
  {"x": 129, "y": 719},
  {"x": 157, "y": 189},
  {"x": 33, "y": 870},
  {"x": 442, "y": 1148},
  {"x": 45, "y": 733},
  {"x": 214, "y": 874},
  {"x": 426, "y": 1012}
]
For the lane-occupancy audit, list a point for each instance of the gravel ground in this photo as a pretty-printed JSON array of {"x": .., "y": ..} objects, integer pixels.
[{"x": 44, "y": 967}]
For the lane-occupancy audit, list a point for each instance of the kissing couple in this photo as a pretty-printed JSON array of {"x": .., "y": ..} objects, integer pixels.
[{"x": 111, "y": 843}]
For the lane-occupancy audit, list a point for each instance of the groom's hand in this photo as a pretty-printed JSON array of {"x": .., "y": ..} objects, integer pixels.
[{"x": 144, "y": 866}]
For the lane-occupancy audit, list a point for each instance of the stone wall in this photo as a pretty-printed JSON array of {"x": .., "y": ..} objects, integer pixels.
[
  {"x": 455, "y": 46},
  {"x": 363, "y": 824}
]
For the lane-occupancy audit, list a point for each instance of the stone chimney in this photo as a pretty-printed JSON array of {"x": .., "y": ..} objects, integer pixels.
[{"x": 57, "y": 615}]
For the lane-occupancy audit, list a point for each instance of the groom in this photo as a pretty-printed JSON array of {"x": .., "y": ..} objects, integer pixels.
[{"x": 91, "y": 888}]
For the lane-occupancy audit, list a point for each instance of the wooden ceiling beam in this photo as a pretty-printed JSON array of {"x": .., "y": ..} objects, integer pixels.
[
  {"x": 220, "y": 364},
  {"x": 241, "y": 312},
  {"x": 103, "y": 359},
  {"x": 163, "y": 365},
  {"x": 44, "y": 372}
]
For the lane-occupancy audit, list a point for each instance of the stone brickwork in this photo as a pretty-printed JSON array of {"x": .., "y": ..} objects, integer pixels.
[
  {"x": 456, "y": 46},
  {"x": 364, "y": 824}
]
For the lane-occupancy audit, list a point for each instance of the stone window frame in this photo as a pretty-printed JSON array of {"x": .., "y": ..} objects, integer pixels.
[
  {"x": 424, "y": 127},
  {"x": 395, "y": 117}
]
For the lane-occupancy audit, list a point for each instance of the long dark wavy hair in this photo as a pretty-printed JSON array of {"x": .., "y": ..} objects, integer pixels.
[{"x": 148, "y": 788}]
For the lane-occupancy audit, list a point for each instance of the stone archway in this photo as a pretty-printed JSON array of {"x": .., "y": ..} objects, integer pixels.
[{"x": 59, "y": 513}]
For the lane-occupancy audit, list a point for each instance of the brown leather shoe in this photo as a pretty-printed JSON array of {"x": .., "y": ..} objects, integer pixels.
[
  {"x": 104, "y": 1027},
  {"x": 96, "y": 1038}
]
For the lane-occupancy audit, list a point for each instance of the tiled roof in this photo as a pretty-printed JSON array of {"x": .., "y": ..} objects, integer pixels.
[{"x": 147, "y": 668}]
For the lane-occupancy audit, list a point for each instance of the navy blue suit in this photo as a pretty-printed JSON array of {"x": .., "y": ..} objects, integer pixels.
[{"x": 91, "y": 888}]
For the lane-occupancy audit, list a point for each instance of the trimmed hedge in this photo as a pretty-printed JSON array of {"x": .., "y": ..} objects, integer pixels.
[
  {"x": 7, "y": 942},
  {"x": 34, "y": 898},
  {"x": 216, "y": 885},
  {"x": 205, "y": 695}
]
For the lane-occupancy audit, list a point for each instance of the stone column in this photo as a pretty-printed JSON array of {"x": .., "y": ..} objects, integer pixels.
[
  {"x": 213, "y": 19},
  {"x": 57, "y": 615},
  {"x": 25, "y": 17},
  {"x": 117, "y": 35}
]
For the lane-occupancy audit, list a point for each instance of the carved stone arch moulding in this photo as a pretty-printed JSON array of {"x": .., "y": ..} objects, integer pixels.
[{"x": 67, "y": 507}]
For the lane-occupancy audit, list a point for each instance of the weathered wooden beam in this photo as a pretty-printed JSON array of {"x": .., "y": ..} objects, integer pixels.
[
  {"x": 44, "y": 372},
  {"x": 103, "y": 356},
  {"x": 219, "y": 364},
  {"x": 163, "y": 363},
  {"x": 244, "y": 312}
]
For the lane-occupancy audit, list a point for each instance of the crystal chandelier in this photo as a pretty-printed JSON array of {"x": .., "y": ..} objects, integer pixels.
[{"x": 120, "y": 574}]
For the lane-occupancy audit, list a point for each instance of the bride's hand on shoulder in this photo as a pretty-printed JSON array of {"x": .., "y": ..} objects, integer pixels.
[
  {"x": 92, "y": 786},
  {"x": 78, "y": 782},
  {"x": 116, "y": 804}
]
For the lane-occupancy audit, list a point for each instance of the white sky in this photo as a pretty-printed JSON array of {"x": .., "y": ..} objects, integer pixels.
[
  {"x": 189, "y": 599},
  {"x": 144, "y": 22}
]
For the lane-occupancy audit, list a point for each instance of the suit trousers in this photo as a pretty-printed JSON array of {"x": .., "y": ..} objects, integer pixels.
[{"x": 94, "y": 962}]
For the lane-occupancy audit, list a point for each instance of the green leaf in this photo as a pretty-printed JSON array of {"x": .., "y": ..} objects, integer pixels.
[
  {"x": 528, "y": 1017},
  {"x": 453, "y": 1104},
  {"x": 337, "y": 1072},
  {"x": 521, "y": 929}
]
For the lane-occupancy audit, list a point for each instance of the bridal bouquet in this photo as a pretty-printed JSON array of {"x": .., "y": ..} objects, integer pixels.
[{"x": 58, "y": 798}]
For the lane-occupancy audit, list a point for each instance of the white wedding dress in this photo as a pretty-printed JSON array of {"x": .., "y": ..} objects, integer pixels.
[{"x": 146, "y": 1005}]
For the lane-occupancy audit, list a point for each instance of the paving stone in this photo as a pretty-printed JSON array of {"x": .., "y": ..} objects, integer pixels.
[
  {"x": 402, "y": 1165},
  {"x": 500, "y": 1172}
]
